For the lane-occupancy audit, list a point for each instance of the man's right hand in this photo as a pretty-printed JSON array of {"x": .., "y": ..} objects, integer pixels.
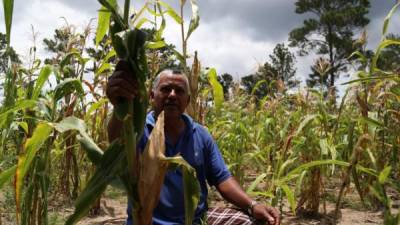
[{"x": 121, "y": 84}]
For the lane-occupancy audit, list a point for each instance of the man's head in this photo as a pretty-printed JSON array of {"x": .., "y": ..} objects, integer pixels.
[{"x": 171, "y": 93}]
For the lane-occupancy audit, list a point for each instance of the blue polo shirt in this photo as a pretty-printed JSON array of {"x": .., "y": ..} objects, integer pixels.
[{"x": 199, "y": 149}]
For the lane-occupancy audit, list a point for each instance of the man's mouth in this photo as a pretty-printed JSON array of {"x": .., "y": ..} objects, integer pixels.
[{"x": 170, "y": 105}]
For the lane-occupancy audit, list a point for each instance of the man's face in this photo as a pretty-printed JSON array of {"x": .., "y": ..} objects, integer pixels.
[{"x": 171, "y": 95}]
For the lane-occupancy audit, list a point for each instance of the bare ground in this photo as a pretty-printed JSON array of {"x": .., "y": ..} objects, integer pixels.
[{"x": 113, "y": 212}]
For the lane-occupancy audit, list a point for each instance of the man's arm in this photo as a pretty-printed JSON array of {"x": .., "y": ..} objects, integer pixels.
[
  {"x": 114, "y": 128},
  {"x": 232, "y": 192}
]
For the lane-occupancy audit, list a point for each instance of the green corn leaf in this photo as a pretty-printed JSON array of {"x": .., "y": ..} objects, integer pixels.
[
  {"x": 254, "y": 184},
  {"x": 263, "y": 194},
  {"x": 371, "y": 78},
  {"x": 300, "y": 180},
  {"x": 191, "y": 193},
  {"x": 143, "y": 21},
  {"x": 371, "y": 122},
  {"x": 217, "y": 88},
  {"x": 24, "y": 126},
  {"x": 8, "y": 6},
  {"x": 333, "y": 151},
  {"x": 102, "y": 68},
  {"x": 359, "y": 55},
  {"x": 6, "y": 175},
  {"x": 258, "y": 84},
  {"x": 308, "y": 119},
  {"x": 67, "y": 59},
  {"x": 103, "y": 24},
  {"x": 42, "y": 78},
  {"x": 66, "y": 87},
  {"x": 153, "y": 12},
  {"x": 160, "y": 31},
  {"x": 195, "y": 20},
  {"x": 368, "y": 171},
  {"x": 95, "y": 106},
  {"x": 362, "y": 74},
  {"x": 155, "y": 45},
  {"x": 395, "y": 90},
  {"x": 178, "y": 55},
  {"x": 32, "y": 145},
  {"x": 295, "y": 172},
  {"x": 112, "y": 6},
  {"x": 190, "y": 184},
  {"x": 384, "y": 174},
  {"x": 171, "y": 12},
  {"x": 290, "y": 197},
  {"x": 110, "y": 167},
  {"x": 387, "y": 19},
  {"x": 93, "y": 152},
  {"x": 110, "y": 54},
  {"x": 323, "y": 144},
  {"x": 139, "y": 13},
  {"x": 282, "y": 168},
  {"x": 22, "y": 104},
  {"x": 72, "y": 123},
  {"x": 377, "y": 191},
  {"x": 382, "y": 45}
]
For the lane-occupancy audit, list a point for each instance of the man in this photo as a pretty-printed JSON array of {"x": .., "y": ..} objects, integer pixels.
[{"x": 170, "y": 93}]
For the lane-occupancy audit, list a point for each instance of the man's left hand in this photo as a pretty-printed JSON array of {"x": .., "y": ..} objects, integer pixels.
[{"x": 266, "y": 213}]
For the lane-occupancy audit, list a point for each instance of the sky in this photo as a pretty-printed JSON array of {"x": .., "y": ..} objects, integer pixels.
[{"x": 234, "y": 36}]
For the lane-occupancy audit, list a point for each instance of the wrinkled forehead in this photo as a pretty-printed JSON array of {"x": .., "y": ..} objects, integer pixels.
[{"x": 174, "y": 79}]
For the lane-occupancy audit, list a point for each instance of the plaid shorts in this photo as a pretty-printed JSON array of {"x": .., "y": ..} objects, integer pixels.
[{"x": 228, "y": 216}]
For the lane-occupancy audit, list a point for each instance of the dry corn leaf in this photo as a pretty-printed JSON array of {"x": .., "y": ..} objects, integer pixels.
[{"x": 152, "y": 172}]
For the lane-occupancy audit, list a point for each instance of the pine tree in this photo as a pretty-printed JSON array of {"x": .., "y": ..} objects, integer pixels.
[
  {"x": 278, "y": 74},
  {"x": 329, "y": 32}
]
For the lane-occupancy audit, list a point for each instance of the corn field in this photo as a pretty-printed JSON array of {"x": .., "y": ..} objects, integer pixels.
[{"x": 296, "y": 150}]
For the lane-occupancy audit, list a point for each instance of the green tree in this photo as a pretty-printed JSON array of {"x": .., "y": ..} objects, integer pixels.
[
  {"x": 282, "y": 66},
  {"x": 5, "y": 54},
  {"x": 9, "y": 77},
  {"x": 389, "y": 59},
  {"x": 249, "y": 82},
  {"x": 278, "y": 74},
  {"x": 226, "y": 80},
  {"x": 329, "y": 32}
]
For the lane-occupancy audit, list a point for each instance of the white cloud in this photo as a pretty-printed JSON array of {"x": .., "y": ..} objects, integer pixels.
[
  {"x": 223, "y": 48},
  {"x": 45, "y": 17}
]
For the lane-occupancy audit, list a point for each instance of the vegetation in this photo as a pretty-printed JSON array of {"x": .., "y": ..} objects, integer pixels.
[
  {"x": 283, "y": 146},
  {"x": 329, "y": 32},
  {"x": 275, "y": 76}
]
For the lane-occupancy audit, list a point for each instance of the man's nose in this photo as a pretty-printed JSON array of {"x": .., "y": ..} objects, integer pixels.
[{"x": 172, "y": 93}]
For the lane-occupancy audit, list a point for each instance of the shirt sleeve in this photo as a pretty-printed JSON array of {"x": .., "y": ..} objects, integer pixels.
[{"x": 216, "y": 169}]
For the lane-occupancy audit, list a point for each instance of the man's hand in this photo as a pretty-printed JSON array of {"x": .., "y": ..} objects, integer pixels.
[
  {"x": 266, "y": 213},
  {"x": 121, "y": 84},
  {"x": 232, "y": 192}
]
